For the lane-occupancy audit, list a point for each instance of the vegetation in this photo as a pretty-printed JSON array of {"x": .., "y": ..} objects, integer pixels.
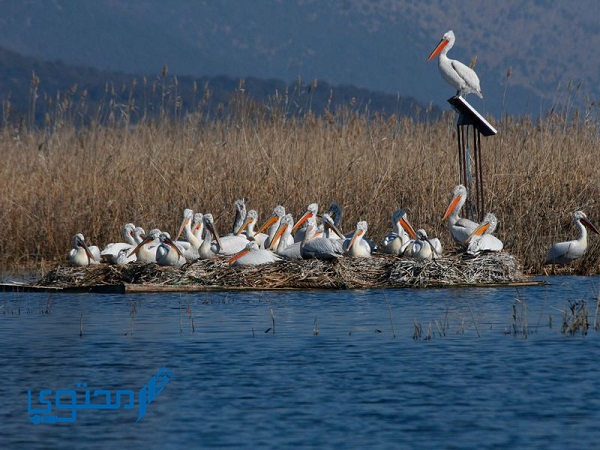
[{"x": 91, "y": 170}]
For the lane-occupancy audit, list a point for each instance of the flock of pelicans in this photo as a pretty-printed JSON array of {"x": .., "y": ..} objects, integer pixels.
[{"x": 280, "y": 237}]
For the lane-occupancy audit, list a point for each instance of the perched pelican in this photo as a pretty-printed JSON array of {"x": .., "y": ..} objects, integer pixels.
[
  {"x": 198, "y": 226},
  {"x": 319, "y": 247},
  {"x": 167, "y": 253},
  {"x": 482, "y": 239},
  {"x": 311, "y": 211},
  {"x": 462, "y": 78},
  {"x": 81, "y": 254},
  {"x": 240, "y": 215},
  {"x": 272, "y": 225},
  {"x": 396, "y": 242},
  {"x": 253, "y": 255},
  {"x": 112, "y": 250},
  {"x": 357, "y": 246},
  {"x": 460, "y": 228},
  {"x": 146, "y": 249},
  {"x": 423, "y": 247},
  {"x": 566, "y": 252},
  {"x": 209, "y": 249}
]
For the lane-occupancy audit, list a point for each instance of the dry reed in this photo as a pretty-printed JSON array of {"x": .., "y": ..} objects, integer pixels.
[{"x": 64, "y": 178}]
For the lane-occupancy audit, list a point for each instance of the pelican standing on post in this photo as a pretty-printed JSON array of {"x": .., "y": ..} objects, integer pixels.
[
  {"x": 566, "y": 252},
  {"x": 463, "y": 78}
]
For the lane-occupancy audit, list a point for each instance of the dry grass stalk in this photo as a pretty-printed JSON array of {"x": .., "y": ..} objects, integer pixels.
[{"x": 93, "y": 179}]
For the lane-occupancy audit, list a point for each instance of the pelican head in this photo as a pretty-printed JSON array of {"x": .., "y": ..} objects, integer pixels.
[
  {"x": 311, "y": 212},
  {"x": 459, "y": 196},
  {"x": 580, "y": 216},
  {"x": 446, "y": 42},
  {"x": 328, "y": 222},
  {"x": 188, "y": 215}
]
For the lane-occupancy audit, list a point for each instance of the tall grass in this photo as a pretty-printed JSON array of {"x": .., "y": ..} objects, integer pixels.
[{"x": 68, "y": 177}]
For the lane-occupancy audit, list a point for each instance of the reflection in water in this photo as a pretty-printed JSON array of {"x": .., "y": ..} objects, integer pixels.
[{"x": 249, "y": 369}]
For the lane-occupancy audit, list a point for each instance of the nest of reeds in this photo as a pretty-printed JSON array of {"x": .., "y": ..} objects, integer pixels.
[{"x": 380, "y": 271}]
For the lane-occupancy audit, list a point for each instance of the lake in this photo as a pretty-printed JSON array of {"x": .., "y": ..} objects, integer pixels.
[{"x": 431, "y": 368}]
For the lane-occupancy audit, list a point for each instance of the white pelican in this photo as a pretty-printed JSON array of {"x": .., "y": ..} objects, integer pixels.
[
  {"x": 248, "y": 227},
  {"x": 167, "y": 253},
  {"x": 198, "y": 226},
  {"x": 253, "y": 255},
  {"x": 240, "y": 215},
  {"x": 189, "y": 247},
  {"x": 81, "y": 254},
  {"x": 462, "y": 78},
  {"x": 396, "y": 242},
  {"x": 460, "y": 228},
  {"x": 272, "y": 224},
  {"x": 357, "y": 246},
  {"x": 146, "y": 249},
  {"x": 283, "y": 237},
  {"x": 209, "y": 249},
  {"x": 112, "y": 250},
  {"x": 311, "y": 212},
  {"x": 423, "y": 247},
  {"x": 566, "y": 252},
  {"x": 320, "y": 247},
  {"x": 482, "y": 239}
]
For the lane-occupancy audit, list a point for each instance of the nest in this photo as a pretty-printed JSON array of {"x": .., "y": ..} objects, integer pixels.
[{"x": 380, "y": 271}]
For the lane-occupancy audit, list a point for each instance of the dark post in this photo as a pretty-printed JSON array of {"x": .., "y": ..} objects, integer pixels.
[{"x": 469, "y": 154}]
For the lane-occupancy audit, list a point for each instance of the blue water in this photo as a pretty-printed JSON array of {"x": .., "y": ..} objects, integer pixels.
[{"x": 326, "y": 369}]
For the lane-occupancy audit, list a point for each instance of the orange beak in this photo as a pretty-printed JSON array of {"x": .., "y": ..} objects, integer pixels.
[
  {"x": 438, "y": 49},
  {"x": 277, "y": 236},
  {"x": 267, "y": 224},
  {"x": 303, "y": 219},
  {"x": 183, "y": 225},
  {"x": 238, "y": 256},
  {"x": 408, "y": 227},
  {"x": 451, "y": 207}
]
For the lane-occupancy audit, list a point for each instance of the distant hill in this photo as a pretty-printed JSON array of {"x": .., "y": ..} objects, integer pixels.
[
  {"x": 91, "y": 92},
  {"x": 547, "y": 46}
]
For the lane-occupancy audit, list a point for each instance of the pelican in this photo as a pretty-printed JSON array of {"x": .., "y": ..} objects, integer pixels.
[
  {"x": 81, "y": 254},
  {"x": 167, "y": 253},
  {"x": 462, "y": 78},
  {"x": 253, "y": 255},
  {"x": 482, "y": 240},
  {"x": 311, "y": 211},
  {"x": 357, "y": 246},
  {"x": 396, "y": 242},
  {"x": 320, "y": 247},
  {"x": 272, "y": 225},
  {"x": 240, "y": 215},
  {"x": 248, "y": 226},
  {"x": 423, "y": 247},
  {"x": 191, "y": 240},
  {"x": 281, "y": 241},
  {"x": 460, "y": 228},
  {"x": 111, "y": 252},
  {"x": 209, "y": 249},
  {"x": 566, "y": 252},
  {"x": 146, "y": 249},
  {"x": 198, "y": 226},
  {"x": 336, "y": 212}
]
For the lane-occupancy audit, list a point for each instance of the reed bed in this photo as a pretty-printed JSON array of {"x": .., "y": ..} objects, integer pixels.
[{"x": 63, "y": 178}]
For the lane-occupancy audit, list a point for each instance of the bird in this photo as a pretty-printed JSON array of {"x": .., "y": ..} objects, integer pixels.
[
  {"x": 272, "y": 225},
  {"x": 311, "y": 212},
  {"x": 209, "y": 248},
  {"x": 146, "y": 249},
  {"x": 569, "y": 251},
  {"x": 248, "y": 228},
  {"x": 111, "y": 252},
  {"x": 253, "y": 255},
  {"x": 320, "y": 247},
  {"x": 462, "y": 78},
  {"x": 282, "y": 244},
  {"x": 460, "y": 228},
  {"x": 189, "y": 247},
  {"x": 422, "y": 247},
  {"x": 240, "y": 215},
  {"x": 395, "y": 242},
  {"x": 81, "y": 254},
  {"x": 167, "y": 253},
  {"x": 357, "y": 246},
  {"x": 482, "y": 240}
]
